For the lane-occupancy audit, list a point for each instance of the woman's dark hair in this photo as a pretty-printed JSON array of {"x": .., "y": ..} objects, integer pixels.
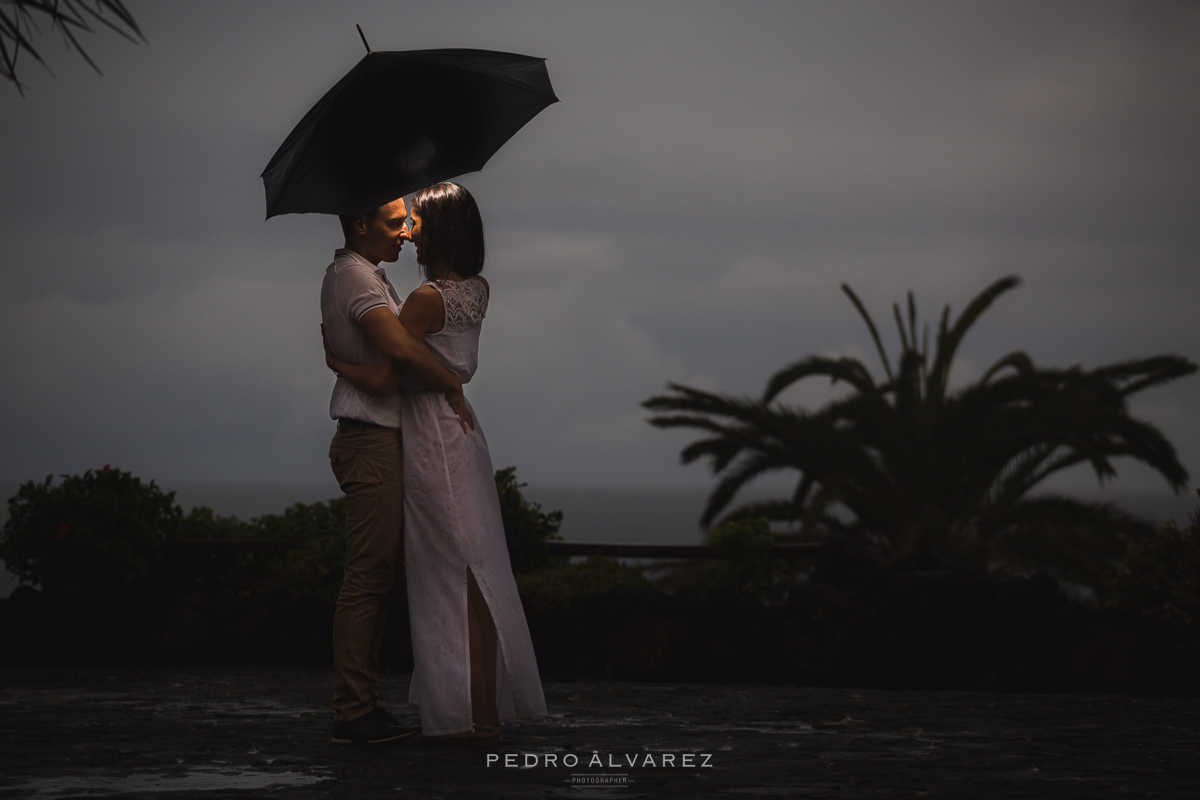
[{"x": 451, "y": 229}]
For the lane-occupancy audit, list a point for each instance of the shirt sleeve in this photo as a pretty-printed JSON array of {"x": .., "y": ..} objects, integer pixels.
[{"x": 359, "y": 290}]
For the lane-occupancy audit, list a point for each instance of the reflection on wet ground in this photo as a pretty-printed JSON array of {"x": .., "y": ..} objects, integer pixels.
[
  {"x": 243, "y": 732},
  {"x": 194, "y": 779}
]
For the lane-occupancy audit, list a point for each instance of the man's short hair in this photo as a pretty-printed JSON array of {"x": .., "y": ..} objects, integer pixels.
[
  {"x": 348, "y": 222},
  {"x": 451, "y": 229}
]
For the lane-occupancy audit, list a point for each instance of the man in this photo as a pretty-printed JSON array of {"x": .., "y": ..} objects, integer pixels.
[{"x": 359, "y": 318}]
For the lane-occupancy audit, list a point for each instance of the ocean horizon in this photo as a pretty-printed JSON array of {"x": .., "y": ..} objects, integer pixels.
[{"x": 602, "y": 514}]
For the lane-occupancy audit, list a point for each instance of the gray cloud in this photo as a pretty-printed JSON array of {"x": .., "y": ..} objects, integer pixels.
[{"x": 687, "y": 213}]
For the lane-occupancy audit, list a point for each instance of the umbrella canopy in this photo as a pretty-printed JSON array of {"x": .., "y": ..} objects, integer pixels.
[{"x": 401, "y": 121}]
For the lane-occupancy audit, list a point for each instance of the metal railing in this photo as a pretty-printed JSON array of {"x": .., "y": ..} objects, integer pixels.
[
  {"x": 674, "y": 551},
  {"x": 796, "y": 550}
]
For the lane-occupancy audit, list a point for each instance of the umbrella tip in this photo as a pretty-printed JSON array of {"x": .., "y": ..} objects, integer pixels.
[{"x": 362, "y": 36}]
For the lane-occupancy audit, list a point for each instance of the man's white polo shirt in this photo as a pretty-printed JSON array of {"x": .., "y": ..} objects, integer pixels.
[{"x": 352, "y": 287}]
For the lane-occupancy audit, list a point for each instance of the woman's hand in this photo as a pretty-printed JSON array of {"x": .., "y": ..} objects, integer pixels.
[
  {"x": 458, "y": 404},
  {"x": 330, "y": 359}
]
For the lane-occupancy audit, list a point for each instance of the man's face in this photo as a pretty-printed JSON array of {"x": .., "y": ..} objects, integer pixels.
[{"x": 384, "y": 232}]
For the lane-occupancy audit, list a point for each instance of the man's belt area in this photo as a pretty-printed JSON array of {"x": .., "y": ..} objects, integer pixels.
[{"x": 346, "y": 422}]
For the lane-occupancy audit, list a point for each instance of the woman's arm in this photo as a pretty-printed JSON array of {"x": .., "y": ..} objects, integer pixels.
[
  {"x": 380, "y": 378},
  {"x": 423, "y": 312}
]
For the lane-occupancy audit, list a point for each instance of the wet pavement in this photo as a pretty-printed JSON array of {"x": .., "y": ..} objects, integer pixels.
[{"x": 263, "y": 732}]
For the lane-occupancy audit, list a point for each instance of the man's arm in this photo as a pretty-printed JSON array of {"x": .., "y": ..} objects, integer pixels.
[
  {"x": 380, "y": 378},
  {"x": 410, "y": 353}
]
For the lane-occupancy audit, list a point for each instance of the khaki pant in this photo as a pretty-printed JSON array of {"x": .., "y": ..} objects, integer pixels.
[{"x": 369, "y": 466}]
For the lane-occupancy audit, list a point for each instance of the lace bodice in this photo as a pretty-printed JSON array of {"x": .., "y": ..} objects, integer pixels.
[
  {"x": 465, "y": 302},
  {"x": 457, "y": 344}
]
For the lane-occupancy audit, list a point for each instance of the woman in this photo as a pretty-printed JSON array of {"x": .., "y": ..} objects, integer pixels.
[{"x": 474, "y": 663}]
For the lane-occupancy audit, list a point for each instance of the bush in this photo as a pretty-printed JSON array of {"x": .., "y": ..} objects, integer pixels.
[
  {"x": 313, "y": 568},
  {"x": 1160, "y": 574},
  {"x": 744, "y": 549},
  {"x": 526, "y": 527},
  {"x": 202, "y": 523},
  {"x": 100, "y": 531},
  {"x": 310, "y": 568},
  {"x": 558, "y": 588}
]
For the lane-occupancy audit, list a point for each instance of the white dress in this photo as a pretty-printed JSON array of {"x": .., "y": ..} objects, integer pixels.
[{"x": 452, "y": 524}]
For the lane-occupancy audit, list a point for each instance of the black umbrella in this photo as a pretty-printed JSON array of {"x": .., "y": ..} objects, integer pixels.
[{"x": 401, "y": 121}]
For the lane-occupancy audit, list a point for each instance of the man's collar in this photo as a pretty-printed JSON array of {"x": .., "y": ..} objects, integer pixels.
[{"x": 346, "y": 252}]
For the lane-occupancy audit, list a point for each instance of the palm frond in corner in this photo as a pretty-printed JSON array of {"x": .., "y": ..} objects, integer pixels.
[{"x": 19, "y": 27}]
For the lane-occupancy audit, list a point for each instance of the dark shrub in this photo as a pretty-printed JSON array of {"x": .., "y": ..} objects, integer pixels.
[
  {"x": 307, "y": 564},
  {"x": 98, "y": 532},
  {"x": 745, "y": 566},
  {"x": 202, "y": 523},
  {"x": 559, "y": 588},
  {"x": 312, "y": 569},
  {"x": 1160, "y": 574},
  {"x": 526, "y": 527}
]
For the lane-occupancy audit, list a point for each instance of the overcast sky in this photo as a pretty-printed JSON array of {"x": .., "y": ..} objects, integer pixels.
[{"x": 687, "y": 213}]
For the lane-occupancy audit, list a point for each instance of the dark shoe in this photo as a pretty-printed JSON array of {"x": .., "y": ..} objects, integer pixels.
[{"x": 374, "y": 727}]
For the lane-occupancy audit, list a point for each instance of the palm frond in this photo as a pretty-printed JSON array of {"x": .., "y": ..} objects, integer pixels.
[
  {"x": 862, "y": 312},
  {"x": 905, "y": 346},
  {"x": 1027, "y": 469},
  {"x": 803, "y": 489},
  {"x": 734, "y": 479},
  {"x": 697, "y": 400},
  {"x": 68, "y": 16},
  {"x": 127, "y": 28},
  {"x": 850, "y": 370},
  {"x": 1138, "y": 374},
  {"x": 1017, "y": 360},
  {"x": 718, "y": 448},
  {"x": 949, "y": 340},
  {"x": 912, "y": 319},
  {"x": 1147, "y": 444}
]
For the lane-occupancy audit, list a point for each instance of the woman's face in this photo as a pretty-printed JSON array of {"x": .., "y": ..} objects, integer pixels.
[{"x": 414, "y": 233}]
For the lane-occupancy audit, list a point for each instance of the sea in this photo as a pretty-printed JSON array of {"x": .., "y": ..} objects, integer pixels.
[{"x": 601, "y": 514}]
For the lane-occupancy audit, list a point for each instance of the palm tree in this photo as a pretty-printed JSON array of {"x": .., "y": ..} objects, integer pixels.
[
  {"x": 18, "y": 26},
  {"x": 917, "y": 472}
]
